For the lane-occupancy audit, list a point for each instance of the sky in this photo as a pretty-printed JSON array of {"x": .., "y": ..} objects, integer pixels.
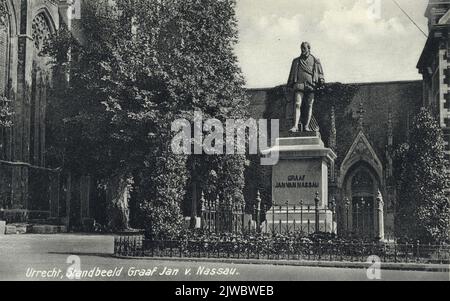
[{"x": 356, "y": 40}]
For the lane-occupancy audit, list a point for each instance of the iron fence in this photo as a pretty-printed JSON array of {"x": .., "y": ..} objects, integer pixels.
[
  {"x": 224, "y": 217},
  {"x": 272, "y": 249},
  {"x": 229, "y": 217}
]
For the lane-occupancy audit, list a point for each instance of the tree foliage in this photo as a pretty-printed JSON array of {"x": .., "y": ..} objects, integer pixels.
[
  {"x": 423, "y": 209},
  {"x": 142, "y": 65}
]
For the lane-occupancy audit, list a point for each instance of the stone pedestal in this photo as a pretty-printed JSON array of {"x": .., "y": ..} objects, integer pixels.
[
  {"x": 300, "y": 179},
  {"x": 283, "y": 219},
  {"x": 197, "y": 223}
]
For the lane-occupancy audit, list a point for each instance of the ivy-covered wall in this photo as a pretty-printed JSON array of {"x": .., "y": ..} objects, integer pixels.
[{"x": 399, "y": 100}]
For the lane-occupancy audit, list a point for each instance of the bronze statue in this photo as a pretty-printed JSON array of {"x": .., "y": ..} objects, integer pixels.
[{"x": 305, "y": 79}]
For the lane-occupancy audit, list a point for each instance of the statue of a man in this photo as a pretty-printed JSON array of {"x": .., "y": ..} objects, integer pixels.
[{"x": 305, "y": 78}]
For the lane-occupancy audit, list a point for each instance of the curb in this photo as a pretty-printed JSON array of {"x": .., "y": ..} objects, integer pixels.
[{"x": 441, "y": 268}]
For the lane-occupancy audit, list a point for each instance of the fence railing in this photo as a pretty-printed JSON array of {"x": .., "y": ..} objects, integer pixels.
[
  {"x": 224, "y": 217},
  {"x": 281, "y": 250},
  {"x": 229, "y": 217},
  {"x": 299, "y": 219}
]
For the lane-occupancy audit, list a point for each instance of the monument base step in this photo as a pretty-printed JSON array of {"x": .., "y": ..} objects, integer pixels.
[
  {"x": 48, "y": 229},
  {"x": 15, "y": 229}
]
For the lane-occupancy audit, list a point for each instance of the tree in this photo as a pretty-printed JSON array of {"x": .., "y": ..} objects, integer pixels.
[
  {"x": 143, "y": 65},
  {"x": 82, "y": 137},
  {"x": 186, "y": 49},
  {"x": 423, "y": 209}
]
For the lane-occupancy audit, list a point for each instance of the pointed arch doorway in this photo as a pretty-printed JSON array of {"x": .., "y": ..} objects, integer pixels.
[
  {"x": 363, "y": 200},
  {"x": 361, "y": 179},
  {"x": 361, "y": 188}
]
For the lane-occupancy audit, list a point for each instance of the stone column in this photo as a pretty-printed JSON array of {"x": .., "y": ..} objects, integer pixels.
[
  {"x": 21, "y": 133},
  {"x": 66, "y": 9},
  {"x": 380, "y": 217},
  {"x": 258, "y": 211},
  {"x": 347, "y": 205},
  {"x": 317, "y": 217},
  {"x": 203, "y": 211}
]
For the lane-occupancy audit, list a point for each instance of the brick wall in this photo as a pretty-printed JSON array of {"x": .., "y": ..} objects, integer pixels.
[{"x": 401, "y": 99}]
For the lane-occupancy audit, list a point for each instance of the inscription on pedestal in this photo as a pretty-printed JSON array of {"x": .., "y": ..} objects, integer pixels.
[{"x": 299, "y": 180}]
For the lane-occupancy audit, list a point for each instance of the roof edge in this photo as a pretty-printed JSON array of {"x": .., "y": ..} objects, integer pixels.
[{"x": 357, "y": 84}]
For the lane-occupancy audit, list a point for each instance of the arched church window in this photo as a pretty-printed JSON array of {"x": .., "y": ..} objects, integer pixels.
[
  {"x": 362, "y": 182},
  {"x": 5, "y": 187},
  {"x": 4, "y": 47},
  {"x": 41, "y": 33}
]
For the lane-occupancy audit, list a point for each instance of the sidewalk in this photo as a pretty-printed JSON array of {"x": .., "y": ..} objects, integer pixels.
[
  {"x": 441, "y": 268},
  {"x": 36, "y": 245}
]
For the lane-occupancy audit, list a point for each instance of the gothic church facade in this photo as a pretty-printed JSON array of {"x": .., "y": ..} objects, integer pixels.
[{"x": 28, "y": 188}]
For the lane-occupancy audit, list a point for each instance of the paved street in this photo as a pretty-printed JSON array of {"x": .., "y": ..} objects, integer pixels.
[{"x": 28, "y": 254}]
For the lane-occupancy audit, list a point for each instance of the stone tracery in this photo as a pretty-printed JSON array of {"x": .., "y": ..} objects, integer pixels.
[
  {"x": 4, "y": 45},
  {"x": 40, "y": 31},
  {"x": 3, "y": 13}
]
